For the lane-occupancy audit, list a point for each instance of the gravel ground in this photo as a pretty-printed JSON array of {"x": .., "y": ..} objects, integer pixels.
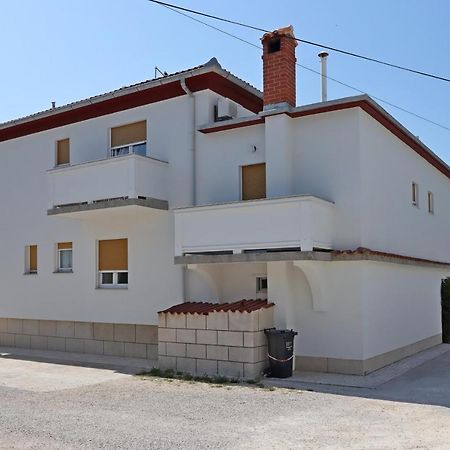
[{"x": 135, "y": 413}]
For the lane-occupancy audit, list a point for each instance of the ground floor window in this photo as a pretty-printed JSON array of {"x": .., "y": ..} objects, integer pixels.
[
  {"x": 113, "y": 279},
  {"x": 261, "y": 285},
  {"x": 113, "y": 263}
]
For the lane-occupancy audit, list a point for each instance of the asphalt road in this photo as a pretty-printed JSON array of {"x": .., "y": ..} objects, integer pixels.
[{"x": 96, "y": 408}]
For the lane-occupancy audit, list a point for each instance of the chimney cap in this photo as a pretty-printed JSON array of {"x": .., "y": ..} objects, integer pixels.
[
  {"x": 323, "y": 54},
  {"x": 283, "y": 31}
]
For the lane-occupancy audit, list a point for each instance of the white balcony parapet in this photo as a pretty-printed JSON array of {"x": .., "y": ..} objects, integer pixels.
[
  {"x": 130, "y": 178},
  {"x": 294, "y": 222}
]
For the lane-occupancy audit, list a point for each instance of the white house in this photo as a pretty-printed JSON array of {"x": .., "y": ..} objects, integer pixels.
[{"x": 196, "y": 186}]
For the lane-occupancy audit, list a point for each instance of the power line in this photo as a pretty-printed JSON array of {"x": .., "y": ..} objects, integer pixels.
[
  {"x": 304, "y": 41},
  {"x": 176, "y": 10}
]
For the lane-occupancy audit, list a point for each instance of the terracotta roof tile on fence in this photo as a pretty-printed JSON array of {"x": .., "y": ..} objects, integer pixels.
[{"x": 206, "y": 308}]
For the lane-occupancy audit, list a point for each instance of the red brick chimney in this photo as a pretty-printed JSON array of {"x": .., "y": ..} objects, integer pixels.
[{"x": 279, "y": 67}]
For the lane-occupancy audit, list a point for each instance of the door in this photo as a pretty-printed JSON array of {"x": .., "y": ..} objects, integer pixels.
[{"x": 254, "y": 181}]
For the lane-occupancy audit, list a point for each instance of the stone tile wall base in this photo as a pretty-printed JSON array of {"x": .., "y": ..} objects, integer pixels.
[
  {"x": 127, "y": 340},
  {"x": 366, "y": 366}
]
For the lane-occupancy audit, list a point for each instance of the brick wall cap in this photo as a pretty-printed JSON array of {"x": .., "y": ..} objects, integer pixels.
[{"x": 205, "y": 308}]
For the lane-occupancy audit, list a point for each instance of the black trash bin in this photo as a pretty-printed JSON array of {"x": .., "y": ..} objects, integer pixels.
[{"x": 281, "y": 352}]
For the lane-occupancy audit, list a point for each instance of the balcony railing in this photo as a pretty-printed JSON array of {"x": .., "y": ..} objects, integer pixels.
[
  {"x": 300, "y": 222},
  {"x": 123, "y": 177}
]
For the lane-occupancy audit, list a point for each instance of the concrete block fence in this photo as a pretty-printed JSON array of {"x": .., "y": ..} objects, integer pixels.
[
  {"x": 219, "y": 343},
  {"x": 113, "y": 339}
]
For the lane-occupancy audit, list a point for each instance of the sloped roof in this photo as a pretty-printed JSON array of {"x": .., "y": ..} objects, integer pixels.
[{"x": 196, "y": 78}]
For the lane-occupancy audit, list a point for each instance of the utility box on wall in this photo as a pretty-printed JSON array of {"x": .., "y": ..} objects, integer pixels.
[{"x": 213, "y": 339}]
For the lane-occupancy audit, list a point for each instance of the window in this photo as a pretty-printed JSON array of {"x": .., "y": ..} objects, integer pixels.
[
  {"x": 62, "y": 152},
  {"x": 131, "y": 138},
  {"x": 64, "y": 257},
  {"x": 253, "y": 179},
  {"x": 113, "y": 263},
  {"x": 261, "y": 285},
  {"x": 430, "y": 202},
  {"x": 415, "y": 194},
  {"x": 31, "y": 259}
]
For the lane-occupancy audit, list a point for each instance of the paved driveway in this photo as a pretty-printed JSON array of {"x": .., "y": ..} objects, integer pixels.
[{"x": 94, "y": 408}]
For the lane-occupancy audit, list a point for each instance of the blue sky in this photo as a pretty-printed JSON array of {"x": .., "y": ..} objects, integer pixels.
[{"x": 56, "y": 50}]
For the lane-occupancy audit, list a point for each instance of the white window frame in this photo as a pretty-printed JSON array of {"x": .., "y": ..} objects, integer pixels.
[
  {"x": 129, "y": 147},
  {"x": 430, "y": 198},
  {"x": 64, "y": 269},
  {"x": 114, "y": 284},
  {"x": 415, "y": 194},
  {"x": 260, "y": 290}
]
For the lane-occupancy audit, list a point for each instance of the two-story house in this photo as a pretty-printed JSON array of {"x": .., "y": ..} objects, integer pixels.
[{"x": 196, "y": 186}]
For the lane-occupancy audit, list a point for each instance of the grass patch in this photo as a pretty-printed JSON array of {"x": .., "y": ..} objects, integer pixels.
[{"x": 218, "y": 381}]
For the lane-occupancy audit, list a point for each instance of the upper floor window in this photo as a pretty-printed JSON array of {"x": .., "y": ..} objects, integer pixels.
[
  {"x": 131, "y": 138},
  {"x": 31, "y": 259},
  {"x": 430, "y": 202},
  {"x": 62, "y": 152},
  {"x": 415, "y": 194},
  {"x": 64, "y": 256},
  {"x": 113, "y": 263}
]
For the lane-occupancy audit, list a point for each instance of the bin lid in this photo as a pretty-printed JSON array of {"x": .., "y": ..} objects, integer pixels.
[{"x": 275, "y": 331}]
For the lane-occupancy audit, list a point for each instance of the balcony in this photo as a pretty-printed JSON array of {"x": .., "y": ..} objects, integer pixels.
[
  {"x": 118, "y": 181},
  {"x": 291, "y": 223}
]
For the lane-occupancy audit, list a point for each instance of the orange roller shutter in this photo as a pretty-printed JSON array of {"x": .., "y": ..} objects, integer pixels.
[
  {"x": 33, "y": 258},
  {"x": 65, "y": 246},
  {"x": 63, "y": 152},
  {"x": 254, "y": 181},
  {"x": 129, "y": 134},
  {"x": 113, "y": 254}
]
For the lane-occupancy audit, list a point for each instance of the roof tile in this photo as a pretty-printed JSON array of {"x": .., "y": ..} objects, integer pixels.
[{"x": 206, "y": 308}]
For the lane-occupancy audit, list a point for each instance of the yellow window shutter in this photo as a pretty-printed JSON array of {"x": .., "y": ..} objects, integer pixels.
[
  {"x": 32, "y": 258},
  {"x": 64, "y": 245},
  {"x": 254, "y": 181},
  {"x": 113, "y": 254},
  {"x": 63, "y": 152},
  {"x": 129, "y": 134}
]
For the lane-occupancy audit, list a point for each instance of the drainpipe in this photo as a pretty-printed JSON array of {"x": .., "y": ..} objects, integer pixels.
[
  {"x": 194, "y": 171},
  {"x": 193, "y": 138}
]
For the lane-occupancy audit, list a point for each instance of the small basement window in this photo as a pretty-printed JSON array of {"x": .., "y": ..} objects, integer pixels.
[
  {"x": 415, "y": 194},
  {"x": 261, "y": 285},
  {"x": 430, "y": 202}
]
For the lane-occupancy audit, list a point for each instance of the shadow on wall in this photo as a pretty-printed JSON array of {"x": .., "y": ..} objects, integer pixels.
[{"x": 445, "y": 304}]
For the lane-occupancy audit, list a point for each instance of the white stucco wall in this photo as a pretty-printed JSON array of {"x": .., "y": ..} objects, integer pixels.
[
  {"x": 155, "y": 282},
  {"x": 389, "y": 220},
  {"x": 402, "y": 305}
]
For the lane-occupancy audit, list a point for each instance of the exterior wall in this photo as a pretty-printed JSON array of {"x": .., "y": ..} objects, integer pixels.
[
  {"x": 389, "y": 220},
  {"x": 114, "y": 339},
  {"x": 333, "y": 329},
  {"x": 220, "y": 156},
  {"x": 402, "y": 305},
  {"x": 154, "y": 281},
  {"x": 327, "y": 164},
  {"x": 223, "y": 282}
]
